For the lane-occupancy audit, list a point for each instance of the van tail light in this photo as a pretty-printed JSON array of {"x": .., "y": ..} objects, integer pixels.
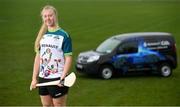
[{"x": 174, "y": 48}]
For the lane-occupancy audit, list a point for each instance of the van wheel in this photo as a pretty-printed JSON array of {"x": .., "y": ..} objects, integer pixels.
[
  {"x": 165, "y": 70},
  {"x": 106, "y": 72}
]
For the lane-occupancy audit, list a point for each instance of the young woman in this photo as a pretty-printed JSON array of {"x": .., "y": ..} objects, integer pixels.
[{"x": 53, "y": 58}]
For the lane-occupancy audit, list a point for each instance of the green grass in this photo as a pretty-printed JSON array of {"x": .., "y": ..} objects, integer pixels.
[{"x": 89, "y": 22}]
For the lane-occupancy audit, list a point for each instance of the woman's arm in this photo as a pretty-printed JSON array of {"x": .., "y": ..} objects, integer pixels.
[
  {"x": 67, "y": 66},
  {"x": 35, "y": 71}
]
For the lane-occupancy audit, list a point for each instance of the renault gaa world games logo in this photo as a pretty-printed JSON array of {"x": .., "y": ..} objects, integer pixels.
[{"x": 160, "y": 43}]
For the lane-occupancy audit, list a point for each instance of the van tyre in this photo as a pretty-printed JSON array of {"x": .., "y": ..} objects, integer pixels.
[
  {"x": 165, "y": 70},
  {"x": 106, "y": 72}
]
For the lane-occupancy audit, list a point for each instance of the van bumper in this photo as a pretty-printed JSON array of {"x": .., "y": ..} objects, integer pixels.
[{"x": 89, "y": 68}]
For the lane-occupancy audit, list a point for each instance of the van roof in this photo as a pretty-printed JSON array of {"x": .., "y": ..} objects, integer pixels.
[{"x": 140, "y": 34}]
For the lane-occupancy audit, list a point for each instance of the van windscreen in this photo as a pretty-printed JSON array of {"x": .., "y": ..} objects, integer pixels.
[{"x": 108, "y": 45}]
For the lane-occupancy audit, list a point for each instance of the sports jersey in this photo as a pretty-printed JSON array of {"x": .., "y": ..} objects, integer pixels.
[{"x": 54, "y": 46}]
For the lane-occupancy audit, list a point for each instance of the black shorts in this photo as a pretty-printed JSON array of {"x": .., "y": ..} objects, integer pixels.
[{"x": 53, "y": 91}]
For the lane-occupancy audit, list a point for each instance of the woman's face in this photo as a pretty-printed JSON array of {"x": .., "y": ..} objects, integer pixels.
[{"x": 49, "y": 17}]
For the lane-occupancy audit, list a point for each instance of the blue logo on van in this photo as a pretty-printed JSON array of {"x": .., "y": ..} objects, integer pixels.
[{"x": 139, "y": 59}]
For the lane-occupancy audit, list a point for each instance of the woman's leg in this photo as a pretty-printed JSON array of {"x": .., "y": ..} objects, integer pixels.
[
  {"x": 61, "y": 101},
  {"x": 46, "y": 100}
]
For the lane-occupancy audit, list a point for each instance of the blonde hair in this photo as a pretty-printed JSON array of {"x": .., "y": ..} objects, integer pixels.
[{"x": 44, "y": 27}]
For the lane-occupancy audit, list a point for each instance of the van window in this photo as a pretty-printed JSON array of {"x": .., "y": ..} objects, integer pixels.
[
  {"x": 108, "y": 45},
  {"x": 128, "y": 47}
]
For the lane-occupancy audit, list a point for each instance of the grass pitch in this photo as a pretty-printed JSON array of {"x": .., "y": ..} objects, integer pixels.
[{"x": 89, "y": 22}]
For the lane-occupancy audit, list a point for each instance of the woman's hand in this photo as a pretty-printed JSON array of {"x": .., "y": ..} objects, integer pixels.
[
  {"x": 60, "y": 84},
  {"x": 33, "y": 84}
]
